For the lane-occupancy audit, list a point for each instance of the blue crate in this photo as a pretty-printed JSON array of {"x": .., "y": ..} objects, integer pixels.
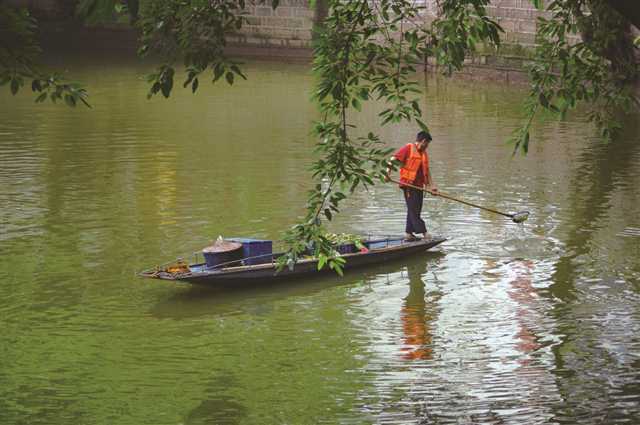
[
  {"x": 347, "y": 248},
  {"x": 252, "y": 248},
  {"x": 378, "y": 244}
]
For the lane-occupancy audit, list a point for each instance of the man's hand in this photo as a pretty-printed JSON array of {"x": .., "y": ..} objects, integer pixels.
[
  {"x": 433, "y": 190},
  {"x": 390, "y": 167}
]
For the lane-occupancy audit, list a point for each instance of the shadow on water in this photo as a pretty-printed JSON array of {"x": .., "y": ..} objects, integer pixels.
[
  {"x": 201, "y": 300},
  {"x": 218, "y": 408}
]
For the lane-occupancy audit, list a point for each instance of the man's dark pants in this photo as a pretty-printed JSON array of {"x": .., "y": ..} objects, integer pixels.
[{"x": 414, "y": 198}]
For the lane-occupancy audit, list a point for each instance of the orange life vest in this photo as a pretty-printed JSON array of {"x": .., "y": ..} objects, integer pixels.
[{"x": 409, "y": 170}]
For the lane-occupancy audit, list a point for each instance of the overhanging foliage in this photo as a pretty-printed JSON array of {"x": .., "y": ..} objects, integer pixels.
[{"x": 19, "y": 52}]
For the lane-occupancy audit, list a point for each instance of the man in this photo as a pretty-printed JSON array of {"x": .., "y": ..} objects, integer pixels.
[{"x": 415, "y": 172}]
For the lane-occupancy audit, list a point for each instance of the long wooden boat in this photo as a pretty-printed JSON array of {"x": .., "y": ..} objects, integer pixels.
[{"x": 377, "y": 251}]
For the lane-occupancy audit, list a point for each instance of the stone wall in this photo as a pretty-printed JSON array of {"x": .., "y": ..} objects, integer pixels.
[
  {"x": 290, "y": 25},
  {"x": 517, "y": 18},
  {"x": 48, "y": 9}
]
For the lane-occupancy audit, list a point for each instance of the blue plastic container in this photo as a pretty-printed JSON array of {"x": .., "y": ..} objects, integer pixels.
[
  {"x": 347, "y": 248},
  {"x": 255, "y": 251},
  {"x": 379, "y": 244}
]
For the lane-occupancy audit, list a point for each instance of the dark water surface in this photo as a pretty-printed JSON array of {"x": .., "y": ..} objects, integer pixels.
[{"x": 504, "y": 324}]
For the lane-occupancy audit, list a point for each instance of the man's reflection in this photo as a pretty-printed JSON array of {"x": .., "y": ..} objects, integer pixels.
[
  {"x": 523, "y": 293},
  {"x": 417, "y": 317}
]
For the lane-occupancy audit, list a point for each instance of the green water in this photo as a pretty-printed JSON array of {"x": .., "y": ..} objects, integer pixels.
[{"x": 505, "y": 323}]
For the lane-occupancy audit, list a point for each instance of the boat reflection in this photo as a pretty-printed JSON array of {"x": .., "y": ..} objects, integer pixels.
[{"x": 255, "y": 299}]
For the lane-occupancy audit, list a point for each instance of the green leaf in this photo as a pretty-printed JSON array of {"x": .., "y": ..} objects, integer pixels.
[
  {"x": 189, "y": 79},
  {"x": 194, "y": 85},
  {"x": 166, "y": 88},
  {"x": 229, "y": 77},
  {"x": 543, "y": 100},
  {"x": 15, "y": 86},
  {"x": 35, "y": 85},
  {"x": 70, "y": 100},
  {"x": 237, "y": 70},
  {"x": 322, "y": 260},
  {"x": 83, "y": 100},
  {"x": 41, "y": 97},
  {"x": 218, "y": 71},
  {"x": 336, "y": 265},
  {"x": 416, "y": 107},
  {"x": 422, "y": 125}
]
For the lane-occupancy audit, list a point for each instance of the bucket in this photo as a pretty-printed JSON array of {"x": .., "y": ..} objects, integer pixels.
[{"x": 223, "y": 253}]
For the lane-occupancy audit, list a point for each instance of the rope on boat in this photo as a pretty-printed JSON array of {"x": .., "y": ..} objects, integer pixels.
[{"x": 241, "y": 260}]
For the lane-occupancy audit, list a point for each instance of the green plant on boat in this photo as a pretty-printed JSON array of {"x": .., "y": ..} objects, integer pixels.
[
  {"x": 345, "y": 239},
  {"x": 327, "y": 253}
]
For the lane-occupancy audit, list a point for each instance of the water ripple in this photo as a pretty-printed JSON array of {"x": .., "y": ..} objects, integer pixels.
[{"x": 503, "y": 323}]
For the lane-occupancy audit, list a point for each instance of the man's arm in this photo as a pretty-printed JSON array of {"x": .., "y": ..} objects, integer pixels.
[
  {"x": 399, "y": 157},
  {"x": 388, "y": 172}
]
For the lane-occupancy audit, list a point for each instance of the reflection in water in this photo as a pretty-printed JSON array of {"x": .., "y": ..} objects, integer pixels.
[
  {"x": 525, "y": 296},
  {"x": 255, "y": 298},
  {"x": 604, "y": 182},
  {"x": 417, "y": 316},
  {"x": 502, "y": 375},
  {"x": 597, "y": 373}
]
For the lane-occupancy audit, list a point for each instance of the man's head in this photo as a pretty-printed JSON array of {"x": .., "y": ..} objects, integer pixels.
[{"x": 422, "y": 139}]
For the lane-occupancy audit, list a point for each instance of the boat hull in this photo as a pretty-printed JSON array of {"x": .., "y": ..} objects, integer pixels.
[{"x": 200, "y": 275}]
